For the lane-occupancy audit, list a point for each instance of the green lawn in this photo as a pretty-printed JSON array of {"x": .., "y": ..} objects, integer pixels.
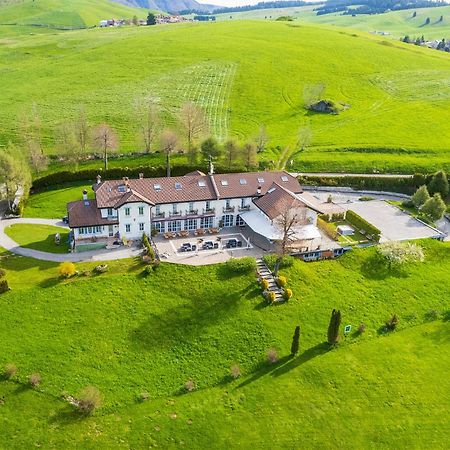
[
  {"x": 39, "y": 237},
  {"x": 243, "y": 74},
  {"x": 127, "y": 334}
]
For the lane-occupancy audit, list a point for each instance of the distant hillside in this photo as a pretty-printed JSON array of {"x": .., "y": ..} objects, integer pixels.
[
  {"x": 168, "y": 5},
  {"x": 63, "y": 13}
]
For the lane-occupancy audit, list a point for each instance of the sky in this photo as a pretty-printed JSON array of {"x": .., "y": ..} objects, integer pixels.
[{"x": 232, "y": 2}]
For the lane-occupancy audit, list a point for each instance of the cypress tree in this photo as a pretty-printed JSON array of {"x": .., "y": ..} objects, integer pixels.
[
  {"x": 333, "y": 327},
  {"x": 295, "y": 341},
  {"x": 439, "y": 183}
]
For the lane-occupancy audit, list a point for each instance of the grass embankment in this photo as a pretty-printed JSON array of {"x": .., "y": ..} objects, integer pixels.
[
  {"x": 39, "y": 237},
  {"x": 204, "y": 63},
  {"x": 127, "y": 334}
]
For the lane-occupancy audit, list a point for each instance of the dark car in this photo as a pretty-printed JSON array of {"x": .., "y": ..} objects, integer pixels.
[
  {"x": 208, "y": 245},
  {"x": 187, "y": 247},
  {"x": 233, "y": 243}
]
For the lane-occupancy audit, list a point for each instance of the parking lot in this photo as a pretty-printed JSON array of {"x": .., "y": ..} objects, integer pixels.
[
  {"x": 393, "y": 223},
  {"x": 208, "y": 249}
]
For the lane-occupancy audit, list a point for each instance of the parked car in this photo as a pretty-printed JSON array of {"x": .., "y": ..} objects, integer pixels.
[
  {"x": 233, "y": 243},
  {"x": 208, "y": 245},
  {"x": 188, "y": 247}
]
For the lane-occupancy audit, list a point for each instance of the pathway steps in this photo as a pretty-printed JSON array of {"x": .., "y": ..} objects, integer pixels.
[{"x": 265, "y": 273}]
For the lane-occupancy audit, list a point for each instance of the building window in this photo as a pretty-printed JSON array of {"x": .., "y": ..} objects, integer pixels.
[
  {"x": 190, "y": 224},
  {"x": 243, "y": 202},
  {"x": 228, "y": 204},
  {"x": 239, "y": 221},
  {"x": 174, "y": 208},
  {"x": 227, "y": 220},
  {"x": 141, "y": 210},
  {"x": 127, "y": 228},
  {"x": 127, "y": 211},
  {"x": 81, "y": 230},
  {"x": 141, "y": 227},
  {"x": 90, "y": 230},
  {"x": 208, "y": 206},
  {"x": 206, "y": 222},
  {"x": 110, "y": 212},
  {"x": 174, "y": 225},
  {"x": 191, "y": 206},
  {"x": 159, "y": 227}
]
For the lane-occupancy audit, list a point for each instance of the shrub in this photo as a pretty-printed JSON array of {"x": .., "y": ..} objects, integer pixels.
[
  {"x": 361, "y": 328},
  {"x": 88, "y": 400},
  {"x": 235, "y": 371},
  {"x": 102, "y": 268},
  {"x": 155, "y": 232},
  {"x": 144, "y": 396},
  {"x": 281, "y": 281},
  {"x": 34, "y": 379},
  {"x": 286, "y": 261},
  {"x": 148, "y": 247},
  {"x": 271, "y": 296},
  {"x": 152, "y": 267},
  {"x": 10, "y": 371},
  {"x": 287, "y": 294},
  {"x": 189, "y": 386},
  {"x": 4, "y": 286},
  {"x": 272, "y": 355},
  {"x": 241, "y": 265},
  {"x": 2, "y": 272},
  {"x": 365, "y": 198},
  {"x": 392, "y": 323},
  {"x": 432, "y": 314},
  {"x": 407, "y": 204},
  {"x": 264, "y": 284},
  {"x": 67, "y": 269}
]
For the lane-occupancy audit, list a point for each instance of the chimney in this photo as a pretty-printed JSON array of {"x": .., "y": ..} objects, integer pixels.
[
  {"x": 85, "y": 194},
  {"x": 258, "y": 191},
  {"x": 210, "y": 166},
  {"x": 99, "y": 179},
  {"x": 141, "y": 176}
]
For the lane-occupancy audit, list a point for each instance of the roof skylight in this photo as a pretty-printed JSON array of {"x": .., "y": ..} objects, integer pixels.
[
  {"x": 260, "y": 180},
  {"x": 284, "y": 178},
  {"x": 178, "y": 186},
  {"x": 243, "y": 181},
  {"x": 157, "y": 187},
  {"x": 201, "y": 183},
  {"x": 224, "y": 182},
  {"x": 121, "y": 188}
]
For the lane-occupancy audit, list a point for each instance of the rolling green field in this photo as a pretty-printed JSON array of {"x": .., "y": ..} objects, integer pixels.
[
  {"x": 128, "y": 334},
  {"x": 63, "y": 13},
  {"x": 39, "y": 237},
  {"x": 243, "y": 74}
]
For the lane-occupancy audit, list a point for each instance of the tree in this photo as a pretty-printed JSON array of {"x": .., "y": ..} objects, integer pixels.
[
  {"x": 105, "y": 139},
  {"x": 313, "y": 93},
  {"x": 194, "y": 123},
  {"x": 420, "y": 196},
  {"x": 295, "y": 341},
  {"x": 147, "y": 113},
  {"x": 304, "y": 138},
  {"x": 231, "y": 152},
  {"x": 134, "y": 20},
  {"x": 427, "y": 21},
  {"x": 434, "y": 207},
  {"x": 439, "y": 183},
  {"x": 333, "y": 327},
  {"x": 151, "y": 19},
  {"x": 15, "y": 174},
  {"x": 210, "y": 147},
  {"x": 169, "y": 143},
  {"x": 261, "y": 139},
  {"x": 399, "y": 253},
  {"x": 66, "y": 144},
  {"x": 250, "y": 156},
  {"x": 81, "y": 130},
  {"x": 414, "y": 14}
]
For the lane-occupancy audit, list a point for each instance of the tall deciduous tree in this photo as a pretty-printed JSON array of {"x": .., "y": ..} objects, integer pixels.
[
  {"x": 312, "y": 93},
  {"x": 149, "y": 123},
  {"x": 81, "y": 129},
  {"x": 420, "y": 196},
  {"x": 295, "y": 341},
  {"x": 333, "y": 327},
  {"x": 193, "y": 122},
  {"x": 169, "y": 143},
  {"x": 231, "y": 149},
  {"x": 439, "y": 183},
  {"x": 210, "y": 148},
  {"x": 66, "y": 144},
  {"x": 434, "y": 207},
  {"x": 105, "y": 139},
  {"x": 249, "y": 155},
  {"x": 15, "y": 174},
  {"x": 261, "y": 139},
  {"x": 304, "y": 138},
  {"x": 398, "y": 253}
]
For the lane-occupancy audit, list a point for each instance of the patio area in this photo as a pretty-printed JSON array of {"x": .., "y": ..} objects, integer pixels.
[{"x": 210, "y": 248}]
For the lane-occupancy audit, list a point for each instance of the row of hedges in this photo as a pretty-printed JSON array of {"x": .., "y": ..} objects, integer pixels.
[
  {"x": 366, "y": 228},
  {"x": 115, "y": 173},
  {"x": 391, "y": 184},
  {"x": 327, "y": 228}
]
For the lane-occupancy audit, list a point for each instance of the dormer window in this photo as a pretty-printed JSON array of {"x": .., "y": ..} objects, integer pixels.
[
  {"x": 243, "y": 181},
  {"x": 178, "y": 186},
  {"x": 157, "y": 187}
]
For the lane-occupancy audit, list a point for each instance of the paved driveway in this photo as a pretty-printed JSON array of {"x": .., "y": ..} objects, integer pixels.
[{"x": 395, "y": 225}]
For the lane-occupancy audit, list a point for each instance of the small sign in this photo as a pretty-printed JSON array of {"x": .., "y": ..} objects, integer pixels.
[{"x": 347, "y": 329}]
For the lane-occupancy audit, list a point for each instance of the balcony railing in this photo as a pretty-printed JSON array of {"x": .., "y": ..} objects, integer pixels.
[
  {"x": 159, "y": 215},
  {"x": 244, "y": 208},
  {"x": 174, "y": 213},
  {"x": 192, "y": 212},
  {"x": 228, "y": 209},
  {"x": 209, "y": 210}
]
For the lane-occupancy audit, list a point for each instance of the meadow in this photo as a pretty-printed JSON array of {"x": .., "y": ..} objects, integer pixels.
[
  {"x": 244, "y": 74},
  {"x": 127, "y": 334}
]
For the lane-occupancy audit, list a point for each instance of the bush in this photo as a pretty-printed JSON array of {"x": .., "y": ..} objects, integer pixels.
[
  {"x": 392, "y": 323},
  {"x": 102, "y": 268},
  {"x": 281, "y": 281},
  {"x": 241, "y": 265},
  {"x": 34, "y": 379},
  {"x": 152, "y": 267},
  {"x": 10, "y": 371},
  {"x": 287, "y": 294},
  {"x": 144, "y": 396},
  {"x": 363, "y": 226},
  {"x": 2, "y": 272},
  {"x": 189, "y": 386},
  {"x": 264, "y": 284},
  {"x": 407, "y": 204},
  {"x": 4, "y": 286},
  {"x": 67, "y": 269},
  {"x": 271, "y": 296},
  {"x": 365, "y": 198},
  {"x": 286, "y": 261},
  {"x": 235, "y": 371},
  {"x": 272, "y": 355},
  {"x": 148, "y": 247},
  {"x": 88, "y": 400},
  {"x": 361, "y": 328}
]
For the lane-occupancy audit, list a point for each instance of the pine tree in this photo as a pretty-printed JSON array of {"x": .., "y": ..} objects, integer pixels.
[
  {"x": 333, "y": 327},
  {"x": 439, "y": 183},
  {"x": 151, "y": 19},
  {"x": 420, "y": 197},
  {"x": 295, "y": 341}
]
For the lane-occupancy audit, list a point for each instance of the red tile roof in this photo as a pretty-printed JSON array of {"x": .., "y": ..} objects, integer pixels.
[{"x": 85, "y": 213}]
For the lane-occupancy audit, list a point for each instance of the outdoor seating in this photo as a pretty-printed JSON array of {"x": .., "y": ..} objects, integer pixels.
[
  {"x": 199, "y": 232},
  {"x": 213, "y": 230},
  {"x": 183, "y": 233},
  {"x": 168, "y": 235}
]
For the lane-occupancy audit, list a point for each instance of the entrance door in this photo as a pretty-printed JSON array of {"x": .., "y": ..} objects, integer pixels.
[
  {"x": 227, "y": 220},
  {"x": 110, "y": 231}
]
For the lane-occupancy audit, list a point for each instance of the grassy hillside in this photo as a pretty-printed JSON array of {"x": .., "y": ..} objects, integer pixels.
[
  {"x": 243, "y": 74},
  {"x": 128, "y": 334},
  {"x": 63, "y": 13}
]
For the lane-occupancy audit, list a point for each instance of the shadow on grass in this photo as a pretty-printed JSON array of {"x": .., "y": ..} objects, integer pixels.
[
  {"x": 68, "y": 416},
  {"x": 375, "y": 268},
  {"x": 182, "y": 322},
  {"x": 50, "y": 282}
]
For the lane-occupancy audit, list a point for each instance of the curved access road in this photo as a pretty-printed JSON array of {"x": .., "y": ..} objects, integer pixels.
[
  {"x": 342, "y": 175},
  {"x": 95, "y": 255}
]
